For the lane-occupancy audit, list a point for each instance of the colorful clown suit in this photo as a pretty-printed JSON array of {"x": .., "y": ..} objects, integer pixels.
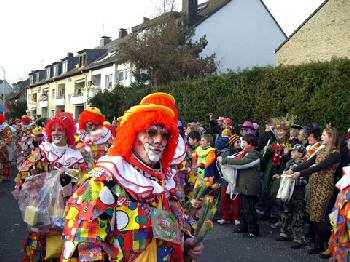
[
  {"x": 5, "y": 142},
  {"x": 25, "y": 140},
  {"x": 43, "y": 160},
  {"x": 127, "y": 210},
  {"x": 93, "y": 143},
  {"x": 340, "y": 220}
]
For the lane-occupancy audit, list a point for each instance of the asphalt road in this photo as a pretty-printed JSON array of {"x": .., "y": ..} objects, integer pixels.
[{"x": 221, "y": 244}]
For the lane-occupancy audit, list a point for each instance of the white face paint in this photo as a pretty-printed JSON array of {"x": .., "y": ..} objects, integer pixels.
[
  {"x": 154, "y": 152},
  {"x": 57, "y": 139}
]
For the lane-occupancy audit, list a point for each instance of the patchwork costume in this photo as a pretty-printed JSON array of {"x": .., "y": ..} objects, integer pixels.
[
  {"x": 44, "y": 159},
  {"x": 93, "y": 144},
  {"x": 126, "y": 210},
  {"x": 5, "y": 141}
]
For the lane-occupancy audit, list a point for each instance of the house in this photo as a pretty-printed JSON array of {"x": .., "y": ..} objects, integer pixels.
[
  {"x": 5, "y": 89},
  {"x": 242, "y": 33},
  {"x": 322, "y": 36},
  {"x": 19, "y": 93},
  {"x": 67, "y": 85}
]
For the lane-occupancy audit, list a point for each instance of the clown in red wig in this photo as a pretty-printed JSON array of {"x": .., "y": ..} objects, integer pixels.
[
  {"x": 58, "y": 153},
  {"x": 95, "y": 139},
  {"x": 133, "y": 181},
  {"x": 24, "y": 139},
  {"x": 5, "y": 141}
]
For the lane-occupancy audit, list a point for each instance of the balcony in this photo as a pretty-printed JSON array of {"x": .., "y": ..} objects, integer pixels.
[
  {"x": 79, "y": 99},
  {"x": 59, "y": 101},
  {"x": 44, "y": 104}
]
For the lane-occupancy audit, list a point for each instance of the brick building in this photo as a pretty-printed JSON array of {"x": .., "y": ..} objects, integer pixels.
[{"x": 324, "y": 35}]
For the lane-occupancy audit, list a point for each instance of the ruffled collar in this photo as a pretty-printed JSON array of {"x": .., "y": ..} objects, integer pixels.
[
  {"x": 97, "y": 138},
  {"x": 139, "y": 180},
  {"x": 64, "y": 155}
]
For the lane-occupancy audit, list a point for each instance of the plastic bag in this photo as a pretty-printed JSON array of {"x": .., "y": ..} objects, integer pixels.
[
  {"x": 40, "y": 200},
  {"x": 286, "y": 188},
  {"x": 229, "y": 173}
]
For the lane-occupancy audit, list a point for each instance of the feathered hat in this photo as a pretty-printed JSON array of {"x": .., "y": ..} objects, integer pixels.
[
  {"x": 154, "y": 109},
  {"x": 91, "y": 114},
  {"x": 284, "y": 122}
]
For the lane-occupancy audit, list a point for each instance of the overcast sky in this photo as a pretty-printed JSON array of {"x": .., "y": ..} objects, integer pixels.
[{"x": 35, "y": 33}]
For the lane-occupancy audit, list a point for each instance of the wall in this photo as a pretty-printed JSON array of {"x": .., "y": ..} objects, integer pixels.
[
  {"x": 324, "y": 36},
  {"x": 242, "y": 34}
]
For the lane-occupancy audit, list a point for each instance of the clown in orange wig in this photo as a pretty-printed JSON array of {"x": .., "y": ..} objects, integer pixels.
[
  {"x": 134, "y": 193},
  {"x": 95, "y": 139}
]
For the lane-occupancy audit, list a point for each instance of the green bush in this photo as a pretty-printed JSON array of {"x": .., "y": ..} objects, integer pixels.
[{"x": 313, "y": 92}]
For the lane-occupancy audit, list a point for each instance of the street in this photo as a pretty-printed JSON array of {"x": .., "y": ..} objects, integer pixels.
[{"x": 221, "y": 244}]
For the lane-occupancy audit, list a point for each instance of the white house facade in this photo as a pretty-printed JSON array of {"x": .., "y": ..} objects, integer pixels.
[{"x": 242, "y": 33}]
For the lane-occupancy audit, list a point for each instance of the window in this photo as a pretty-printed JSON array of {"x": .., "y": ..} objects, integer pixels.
[
  {"x": 53, "y": 93},
  {"x": 65, "y": 66},
  {"x": 35, "y": 96},
  {"x": 52, "y": 113},
  {"x": 120, "y": 75},
  {"x": 108, "y": 81},
  {"x": 31, "y": 79},
  {"x": 55, "y": 70},
  {"x": 79, "y": 87},
  {"x": 37, "y": 77},
  {"x": 60, "y": 92},
  {"x": 83, "y": 60},
  {"x": 48, "y": 73}
]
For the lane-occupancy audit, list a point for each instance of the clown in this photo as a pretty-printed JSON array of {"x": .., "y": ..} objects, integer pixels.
[
  {"x": 25, "y": 140},
  {"x": 110, "y": 127},
  {"x": 95, "y": 139},
  {"x": 133, "y": 212},
  {"x": 5, "y": 142},
  {"x": 57, "y": 153},
  {"x": 275, "y": 156}
]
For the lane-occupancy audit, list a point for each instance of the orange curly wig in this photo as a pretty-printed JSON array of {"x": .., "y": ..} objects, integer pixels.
[
  {"x": 93, "y": 115},
  {"x": 67, "y": 122},
  {"x": 140, "y": 121}
]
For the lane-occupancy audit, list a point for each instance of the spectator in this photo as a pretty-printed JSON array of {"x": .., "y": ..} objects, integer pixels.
[{"x": 322, "y": 166}]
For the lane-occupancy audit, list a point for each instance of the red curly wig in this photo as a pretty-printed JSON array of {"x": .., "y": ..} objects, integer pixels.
[
  {"x": 140, "y": 121},
  {"x": 2, "y": 118},
  {"x": 25, "y": 119},
  {"x": 91, "y": 114},
  {"x": 67, "y": 122}
]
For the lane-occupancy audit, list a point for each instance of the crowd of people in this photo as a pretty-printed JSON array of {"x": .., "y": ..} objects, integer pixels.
[{"x": 136, "y": 190}]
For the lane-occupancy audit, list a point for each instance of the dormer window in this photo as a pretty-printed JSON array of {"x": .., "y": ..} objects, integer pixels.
[
  {"x": 48, "y": 73},
  {"x": 31, "y": 79},
  {"x": 65, "y": 66},
  {"x": 55, "y": 70},
  {"x": 83, "y": 60},
  {"x": 37, "y": 76}
]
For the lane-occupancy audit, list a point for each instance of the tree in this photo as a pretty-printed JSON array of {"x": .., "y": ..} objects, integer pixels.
[{"x": 163, "y": 51}]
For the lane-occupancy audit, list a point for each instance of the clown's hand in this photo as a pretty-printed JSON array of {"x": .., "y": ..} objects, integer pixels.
[{"x": 192, "y": 250}]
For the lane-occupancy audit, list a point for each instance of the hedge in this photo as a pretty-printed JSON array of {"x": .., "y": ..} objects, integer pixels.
[{"x": 314, "y": 92}]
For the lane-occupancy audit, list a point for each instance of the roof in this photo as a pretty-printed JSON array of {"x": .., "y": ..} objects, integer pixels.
[
  {"x": 302, "y": 24},
  {"x": 22, "y": 86},
  {"x": 150, "y": 22},
  {"x": 209, "y": 8}
]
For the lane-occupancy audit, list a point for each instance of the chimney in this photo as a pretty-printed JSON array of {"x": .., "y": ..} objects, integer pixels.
[
  {"x": 145, "y": 19},
  {"x": 105, "y": 40},
  {"x": 189, "y": 8},
  {"x": 69, "y": 55},
  {"x": 123, "y": 32}
]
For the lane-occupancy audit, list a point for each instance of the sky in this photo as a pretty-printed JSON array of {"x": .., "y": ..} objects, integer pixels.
[{"x": 35, "y": 33}]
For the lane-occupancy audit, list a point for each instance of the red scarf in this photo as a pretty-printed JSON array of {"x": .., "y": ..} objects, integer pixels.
[{"x": 244, "y": 152}]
